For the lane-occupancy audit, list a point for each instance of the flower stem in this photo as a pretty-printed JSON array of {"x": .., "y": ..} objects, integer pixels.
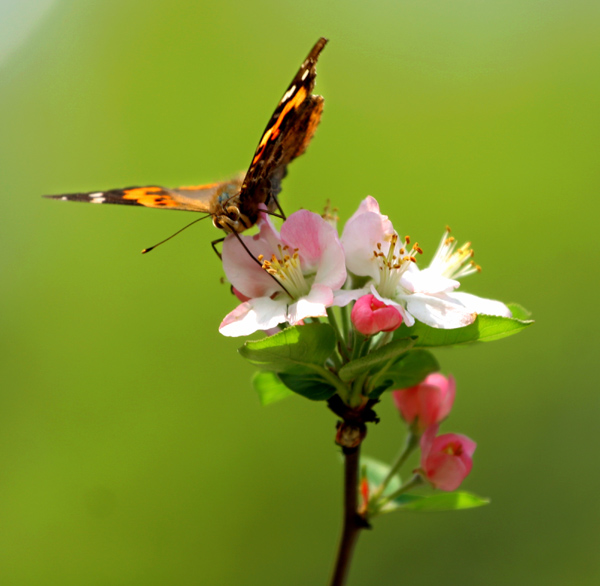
[
  {"x": 353, "y": 522},
  {"x": 416, "y": 480},
  {"x": 338, "y": 334},
  {"x": 412, "y": 441}
]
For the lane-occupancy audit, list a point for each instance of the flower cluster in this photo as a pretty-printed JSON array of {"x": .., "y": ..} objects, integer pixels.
[
  {"x": 351, "y": 316},
  {"x": 307, "y": 268}
]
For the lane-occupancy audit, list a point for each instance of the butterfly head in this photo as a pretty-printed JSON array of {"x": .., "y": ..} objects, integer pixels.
[{"x": 231, "y": 219}]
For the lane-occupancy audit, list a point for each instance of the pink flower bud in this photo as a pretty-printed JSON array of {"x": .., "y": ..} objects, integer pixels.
[
  {"x": 428, "y": 402},
  {"x": 446, "y": 460},
  {"x": 371, "y": 316}
]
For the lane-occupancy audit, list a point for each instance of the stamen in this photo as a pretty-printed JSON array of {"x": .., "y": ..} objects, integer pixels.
[
  {"x": 287, "y": 269},
  {"x": 452, "y": 262},
  {"x": 393, "y": 264}
]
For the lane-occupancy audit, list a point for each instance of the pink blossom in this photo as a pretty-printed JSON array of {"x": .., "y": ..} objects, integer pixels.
[
  {"x": 302, "y": 269},
  {"x": 426, "y": 403},
  {"x": 371, "y": 316},
  {"x": 446, "y": 460}
]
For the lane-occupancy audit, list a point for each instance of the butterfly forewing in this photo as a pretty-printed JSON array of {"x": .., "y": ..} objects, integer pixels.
[
  {"x": 197, "y": 198},
  {"x": 234, "y": 205},
  {"x": 286, "y": 136}
]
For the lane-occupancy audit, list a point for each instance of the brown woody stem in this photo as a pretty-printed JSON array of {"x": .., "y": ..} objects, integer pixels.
[{"x": 353, "y": 522}]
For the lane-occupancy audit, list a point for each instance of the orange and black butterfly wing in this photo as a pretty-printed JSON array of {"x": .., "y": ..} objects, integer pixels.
[
  {"x": 198, "y": 198},
  {"x": 286, "y": 136}
]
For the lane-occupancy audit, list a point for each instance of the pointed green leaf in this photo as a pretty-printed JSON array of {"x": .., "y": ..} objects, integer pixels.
[
  {"x": 485, "y": 328},
  {"x": 292, "y": 350},
  {"x": 519, "y": 312},
  {"x": 407, "y": 372},
  {"x": 375, "y": 359},
  {"x": 308, "y": 385},
  {"x": 445, "y": 501},
  {"x": 269, "y": 388}
]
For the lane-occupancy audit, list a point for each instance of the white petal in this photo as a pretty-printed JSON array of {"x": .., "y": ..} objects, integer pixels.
[
  {"x": 426, "y": 281},
  {"x": 313, "y": 305},
  {"x": 262, "y": 313},
  {"x": 439, "y": 311},
  {"x": 481, "y": 305},
  {"x": 344, "y": 296}
]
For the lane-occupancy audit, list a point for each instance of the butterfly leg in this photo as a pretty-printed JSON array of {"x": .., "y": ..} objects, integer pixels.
[
  {"x": 279, "y": 207},
  {"x": 260, "y": 264},
  {"x": 214, "y": 246}
]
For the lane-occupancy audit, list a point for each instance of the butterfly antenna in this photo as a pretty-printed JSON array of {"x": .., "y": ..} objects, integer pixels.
[
  {"x": 173, "y": 235},
  {"x": 259, "y": 263}
]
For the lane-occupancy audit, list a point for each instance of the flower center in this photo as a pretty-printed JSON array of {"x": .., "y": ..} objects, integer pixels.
[
  {"x": 393, "y": 264},
  {"x": 452, "y": 262},
  {"x": 453, "y": 449},
  {"x": 288, "y": 272}
]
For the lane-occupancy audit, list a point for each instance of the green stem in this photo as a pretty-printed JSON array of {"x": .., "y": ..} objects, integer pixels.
[
  {"x": 416, "y": 480},
  {"x": 338, "y": 334},
  {"x": 333, "y": 379},
  {"x": 344, "y": 312},
  {"x": 385, "y": 338},
  {"x": 411, "y": 443}
]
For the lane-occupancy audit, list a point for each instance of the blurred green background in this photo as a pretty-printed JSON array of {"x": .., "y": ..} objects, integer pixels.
[{"x": 132, "y": 447}]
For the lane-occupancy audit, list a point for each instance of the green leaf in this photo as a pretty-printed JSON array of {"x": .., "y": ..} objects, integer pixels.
[
  {"x": 519, "y": 312},
  {"x": 377, "y": 471},
  {"x": 308, "y": 385},
  {"x": 407, "y": 372},
  {"x": 485, "y": 328},
  {"x": 375, "y": 359},
  {"x": 292, "y": 350},
  {"x": 446, "y": 501},
  {"x": 269, "y": 388}
]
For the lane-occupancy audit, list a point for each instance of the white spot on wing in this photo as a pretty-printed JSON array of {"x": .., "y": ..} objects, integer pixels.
[
  {"x": 97, "y": 194},
  {"x": 304, "y": 75},
  {"x": 289, "y": 93},
  {"x": 64, "y": 198},
  {"x": 97, "y": 198}
]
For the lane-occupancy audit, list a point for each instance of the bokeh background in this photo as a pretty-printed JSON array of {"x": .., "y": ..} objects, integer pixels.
[{"x": 133, "y": 450}]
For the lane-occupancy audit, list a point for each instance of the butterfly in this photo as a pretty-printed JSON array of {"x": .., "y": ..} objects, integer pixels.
[{"x": 234, "y": 205}]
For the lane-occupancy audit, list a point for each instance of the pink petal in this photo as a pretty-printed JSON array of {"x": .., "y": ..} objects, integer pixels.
[
  {"x": 407, "y": 402},
  {"x": 426, "y": 442},
  {"x": 369, "y": 204},
  {"x": 245, "y": 274},
  {"x": 361, "y": 235},
  {"x": 446, "y": 472},
  {"x": 318, "y": 246},
  {"x": 409, "y": 320},
  {"x": 371, "y": 316},
  {"x": 430, "y": 398}
]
